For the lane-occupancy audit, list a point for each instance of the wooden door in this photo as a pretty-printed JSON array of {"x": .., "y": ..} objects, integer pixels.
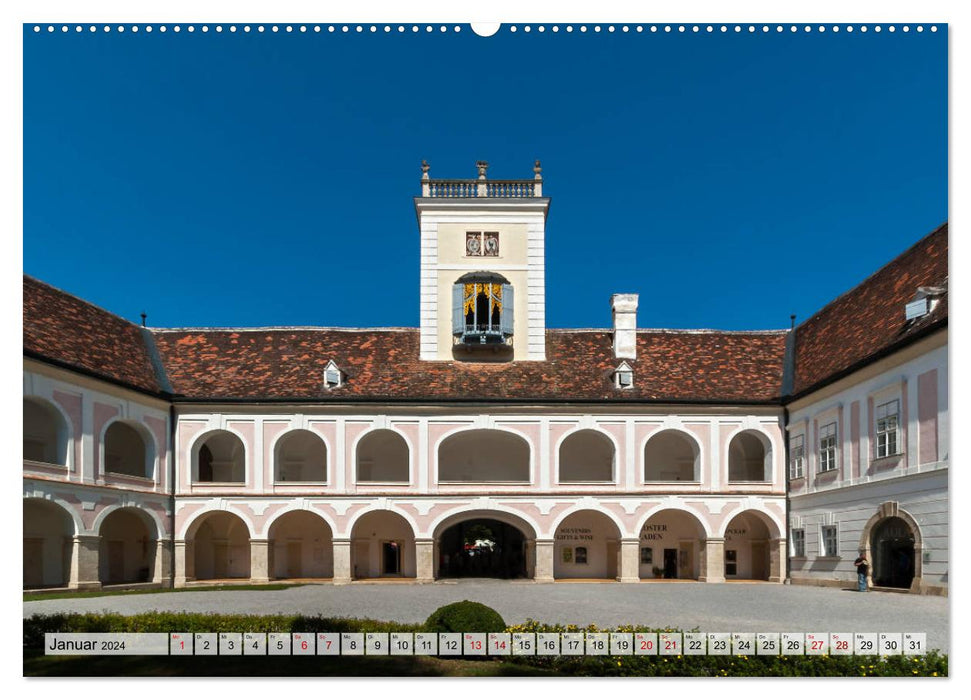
[
  {"x": 116, "y": 561},
  {"x": 294, "y": 560},
  {"x": 220, "y": 560},
  {"x": 759, "y": 561},
  {"x": 33, "y": 562}
]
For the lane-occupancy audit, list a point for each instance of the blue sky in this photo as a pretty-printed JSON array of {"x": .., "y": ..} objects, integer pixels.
[{"x": 241, "y": 179}]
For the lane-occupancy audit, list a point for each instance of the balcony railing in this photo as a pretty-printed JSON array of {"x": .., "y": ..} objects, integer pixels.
[
  {"x": 517, "y": 189},
  {"x": 481, "y": 187}
]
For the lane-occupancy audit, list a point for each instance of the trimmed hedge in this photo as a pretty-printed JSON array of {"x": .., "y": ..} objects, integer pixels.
[{"x": 465, "y": 616}]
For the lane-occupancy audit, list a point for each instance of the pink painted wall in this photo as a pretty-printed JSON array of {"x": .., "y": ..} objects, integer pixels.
[
  {"x": 102, "y": 414},
  {"x": 927, "y": 402},
  {"x": 71, "y": 403}
]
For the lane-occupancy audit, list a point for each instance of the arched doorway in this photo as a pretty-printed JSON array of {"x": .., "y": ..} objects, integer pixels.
[
  {"x": 128, "y": 547},
  {"x": 482, "y": 547},
  {"x": 586, "y": 546},
  {"x": 893, "y": 553},
  {"x": 670, "y": 546},
  {"x": 382, "y": 544},
  {"x": 221, "y": 547},
  {"x": 302, "y": 546},
  {"x": 48, "y": 530},
  {"x": 747, "y": 547}
]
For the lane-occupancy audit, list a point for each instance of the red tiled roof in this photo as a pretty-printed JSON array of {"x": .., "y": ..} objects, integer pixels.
[
  {"x": 383, "y": 364},
  {"x": 869, "y": 320},
  {"x": 71, "y": 332},
  {"x": 708, "y": 366}
]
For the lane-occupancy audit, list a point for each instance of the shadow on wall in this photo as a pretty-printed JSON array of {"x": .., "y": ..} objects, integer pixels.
[{"x": 826, "y": 565}]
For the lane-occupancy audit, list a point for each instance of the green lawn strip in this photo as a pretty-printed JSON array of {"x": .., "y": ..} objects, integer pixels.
[
  {"x": 36, "y": 664},
  {"x": 55, "y": 595}
]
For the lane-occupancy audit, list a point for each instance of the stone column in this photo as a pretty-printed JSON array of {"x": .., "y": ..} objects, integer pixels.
[
  {"x": 85, "y": 555},
  {"x": 185, "y": 562},
  {"x": 163, "y": 563},
  {"x": 544, "y": 561},
  {"x": 259, "y": 557},
  {"x": 777, "y": 560},
  {"x": 425, "y": 560},
  {"x": 530, "y": 553},
  {"x": 629, "y": 565},
  {"x": 342, "y": 561},
  {"x": 713, "y": 560}
]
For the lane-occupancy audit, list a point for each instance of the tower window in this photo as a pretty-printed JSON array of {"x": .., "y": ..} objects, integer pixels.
[{"x": 482, "y": 308}]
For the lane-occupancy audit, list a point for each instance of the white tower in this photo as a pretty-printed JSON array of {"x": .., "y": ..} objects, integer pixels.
[{"x": 483, "y": 268}]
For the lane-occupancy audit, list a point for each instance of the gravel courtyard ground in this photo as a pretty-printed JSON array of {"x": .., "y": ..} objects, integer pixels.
[{"x": 735, "y": 607}]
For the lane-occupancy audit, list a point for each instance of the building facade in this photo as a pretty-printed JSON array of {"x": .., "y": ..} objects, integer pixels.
[{"x": 480, "y": 444}]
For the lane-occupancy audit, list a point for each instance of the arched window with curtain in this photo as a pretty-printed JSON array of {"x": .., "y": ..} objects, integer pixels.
[{"x": 482, "y": 308}]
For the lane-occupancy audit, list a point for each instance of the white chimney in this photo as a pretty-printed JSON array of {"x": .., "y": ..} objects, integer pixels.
[{"x": 625, "y": 325}]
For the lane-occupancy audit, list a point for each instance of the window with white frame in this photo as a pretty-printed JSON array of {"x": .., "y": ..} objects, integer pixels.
[
  {"x": 829, "y": 541},
  {"x": 888, "y": 420},
  {"x": 797, "y": 456},
  {"x": 798, "y": 542},
  {"x": 827, "y": 447}
]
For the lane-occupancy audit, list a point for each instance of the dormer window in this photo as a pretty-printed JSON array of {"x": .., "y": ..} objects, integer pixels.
[
  {"x": 923, "y": 302},
  {"x": 332, "y": 376},
  {"x": 482, "y": 309},
  {"x": 624, "y": 376}
]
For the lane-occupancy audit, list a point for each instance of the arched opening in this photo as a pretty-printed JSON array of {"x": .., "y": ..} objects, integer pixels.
[
  {"x": 747, "y": 547},
  {"x": 128, "y": 547},
  {"x": 587, "y": 546},
  {"x": 670, "y": 455},
  {"x": 301, "y": 455},
  {"x": 586, "y": 456},
  {"x": 382, "y": 456},
  {"x": 48, "y": 534},
  {"x": 126, "y": 451},
  {"x": 45, "y": 433},
  {"x": 221, "y": 458},
  {"x": 892, "y": 552},
  {"x": 480, "y": 456},
  {"x": 670, "y": 545},
  {"x": 221, "y": 547},
  {"x": 302, "y": 545},
  {"x": 382, "y": 544},
  {"x": 749, "y": 457},
  {"x": 484, "y": 545}
]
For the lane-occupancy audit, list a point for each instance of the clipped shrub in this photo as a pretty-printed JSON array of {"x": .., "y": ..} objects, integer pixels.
[{"x": 465, "y": 616}]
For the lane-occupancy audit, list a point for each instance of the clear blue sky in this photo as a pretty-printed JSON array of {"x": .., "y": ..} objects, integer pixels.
[{"x": 239, "y": 179}]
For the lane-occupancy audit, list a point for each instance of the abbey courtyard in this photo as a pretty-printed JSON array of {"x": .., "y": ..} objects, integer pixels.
[{"x": 484, "y": 444}]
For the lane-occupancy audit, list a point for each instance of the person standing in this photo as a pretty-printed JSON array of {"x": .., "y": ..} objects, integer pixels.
[{"x": 862, "y": 569}]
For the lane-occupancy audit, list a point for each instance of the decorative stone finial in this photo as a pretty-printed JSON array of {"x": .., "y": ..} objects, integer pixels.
[
  {"x": 482, "y": 166},
  {"x": 538, "y": 169},
  {"x": 425, "y": 167}
]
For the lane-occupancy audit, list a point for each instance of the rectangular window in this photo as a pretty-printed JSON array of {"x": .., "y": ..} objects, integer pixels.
[
  {"x": 830, "y": 541},
  {"x": 797, "y": 456},
  {"x": 888, "y": 418},
  {"x": 647, "y": 555},
  {"x": 799, "y": 543},
  {"x": 827, "y": 447}
]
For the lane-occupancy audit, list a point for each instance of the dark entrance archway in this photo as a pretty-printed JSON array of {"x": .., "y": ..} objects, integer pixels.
[
  {"x": 892, "y": 551},
  {"x": 482, "y": 547}
]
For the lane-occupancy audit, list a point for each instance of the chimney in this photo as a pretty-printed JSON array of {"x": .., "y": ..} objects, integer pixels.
[{"x": 625, "y": 325}]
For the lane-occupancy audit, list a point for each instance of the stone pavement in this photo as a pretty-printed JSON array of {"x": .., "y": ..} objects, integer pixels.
[{"x": 729, "y": 607}]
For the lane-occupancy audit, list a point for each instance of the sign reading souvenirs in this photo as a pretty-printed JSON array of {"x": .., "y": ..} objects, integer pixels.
[{"x": 574, "y": 533}]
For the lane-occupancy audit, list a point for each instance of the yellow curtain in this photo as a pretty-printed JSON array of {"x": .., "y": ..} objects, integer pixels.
[{"x": 472, "y": 291}]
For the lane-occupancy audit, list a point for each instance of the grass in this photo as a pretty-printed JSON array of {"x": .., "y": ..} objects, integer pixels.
[
  {"x": 37, "y": 664},
  {"x": 55, "y": 595}
]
